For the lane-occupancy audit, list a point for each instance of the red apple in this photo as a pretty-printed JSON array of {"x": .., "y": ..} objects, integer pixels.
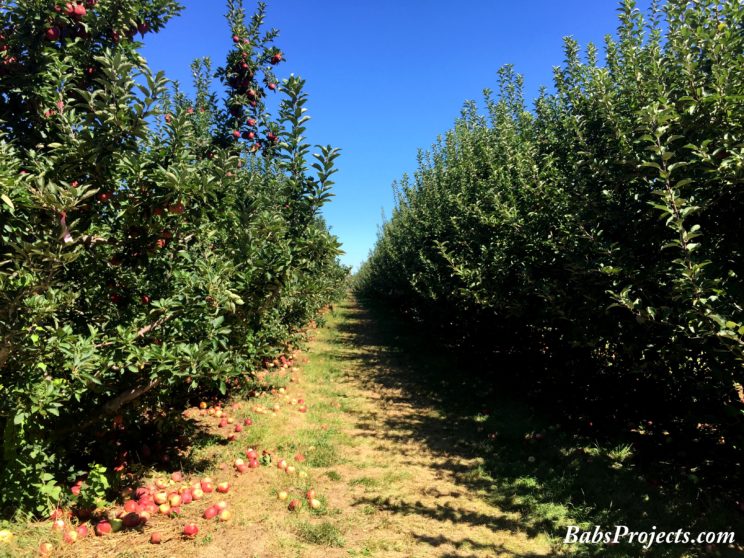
[
  {"x": 52, "y": 34},
  {"x": 46, "y": 549},
  {"x": 103, "y": 528},
  {"x": 251, "y": 454},
  {"x": 190, "y": 530},
  {"x": 223, "y": 487},
  {"x": 310, "y": 494},
  {"x": 58, "y": 525},
  {"x": 197, "y": 493},
  {"x": 131, "y": 506},
  {"x": 155, "y": 538},
  {"x": 281, "y": 464},
  {"x": 131, "y": 520},
  {"x": 177, "y": 476},
  {"x": 211, "y": 512},
  {"x": 242, "y": 468},
  {"x": 161, "y": 484},
  {"x": 70, "y": 536},
  {"x": 187, "y": 497},
  {"x": 295, "y": 505},
  {"x": 82, "y": 531},
  {"x": 276, "y": 58}
]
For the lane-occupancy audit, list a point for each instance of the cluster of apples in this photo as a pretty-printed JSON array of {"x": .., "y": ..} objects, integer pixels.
[
  {"x": 164, "y": 497},
  {"x": 295, "y": 504}
]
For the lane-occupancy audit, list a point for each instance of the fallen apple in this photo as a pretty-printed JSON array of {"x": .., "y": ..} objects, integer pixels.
[
  {"x": 310, "y": 494},
  {"x": 46, "y": 549},
  {"x": 283, "y": 495},
  {"x": 211, "y": 512},
  {"x": 225, "y": 515},
  {"x": 70, "y": 536},
  {"x": 223, "y": 487},
  {"x": 190, "y": 530},
  {"x": 295, "y": 505},
  {"x": 103, "y": 528},
  {"x": 160, "y": 497},
  {"x": 315, "y": 504},
  {"x": 155, "y": 538}
]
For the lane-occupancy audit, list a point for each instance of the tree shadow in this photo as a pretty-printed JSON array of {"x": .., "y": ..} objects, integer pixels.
[{"x": 492, "y": 441}]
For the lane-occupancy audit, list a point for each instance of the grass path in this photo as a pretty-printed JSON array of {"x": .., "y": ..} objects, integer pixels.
[{"x": 409, "y": 458}]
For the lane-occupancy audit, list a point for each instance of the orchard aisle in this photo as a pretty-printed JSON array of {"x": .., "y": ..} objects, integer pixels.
[{"x": 404, "y": 487}]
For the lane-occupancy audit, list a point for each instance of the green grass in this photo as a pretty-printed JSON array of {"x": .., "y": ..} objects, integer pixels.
[{"x": 321, "y": 534}]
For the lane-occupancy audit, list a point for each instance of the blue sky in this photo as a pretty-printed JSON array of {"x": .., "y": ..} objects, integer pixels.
[{"x": 385, "y": 77}]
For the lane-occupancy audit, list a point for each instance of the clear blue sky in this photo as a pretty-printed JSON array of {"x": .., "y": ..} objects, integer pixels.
[{"x": 385, "y": 77}]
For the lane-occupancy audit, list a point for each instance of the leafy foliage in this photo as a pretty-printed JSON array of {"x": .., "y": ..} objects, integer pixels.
[
  {"x": 595, "y": 239},
  {"x": 147, "y": 252}
]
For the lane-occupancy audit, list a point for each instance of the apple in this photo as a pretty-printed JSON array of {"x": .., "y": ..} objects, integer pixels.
[
  {"x": 230, "y": 420},
  {"x": 141, "y": 492},
  {"x": 294, "y": 504},
  {"x": 225, "y": 515},
  {"x": 52, "y": 34},
  {"x": 207, "y": 486},
  {"x": 197, "y": 493},
  {"x": 242, "y": 468},
  {"x": 190, "y": 530},
  {"x": 283, "y": 495},
  {"x": 176, "y": 510},
  {"x": 223, "y": 487},
  {"x": 103, "y": 528},
  {"x": 254, "y": 464},
  {"x": 58, "y": 525},
  {"x": 236, "y": 39},
  {"x": 174, "y": 499},
  {"x": 46, "y": 549},
  {"x": 211, "y": 512},
  {"x": 160, "y": 497},
  {"x": 131, "y": 520},
  {"x": 315, "y": 504},
  {"x": 82, "y": 531},
  {"x": 177, "y": 476},
  {"x": 155, "y": 538},
  {"x": 131, "y": 506},
  {"x": 70, "y": 536},
  {"x": 187, "y": 497},
  {"x": 223, "y": 423},
  {"x": 239, "y": 462},
  {"x": 161, "y": 484},
  {"x": 203, "y": 405},
  {"x": 310, "y": 494},
  {"x": 221, "y": 505},
  {"x": 290, "y": 470},
  {"x": 144, "y": 516},
  {"x": 164, "y": 509},
  {"x": 251, "y": 453},
  {"x": 282, "y": 464}
]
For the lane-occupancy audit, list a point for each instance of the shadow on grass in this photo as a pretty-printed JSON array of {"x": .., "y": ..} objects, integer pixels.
[{"x": 523, "y": 461}]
